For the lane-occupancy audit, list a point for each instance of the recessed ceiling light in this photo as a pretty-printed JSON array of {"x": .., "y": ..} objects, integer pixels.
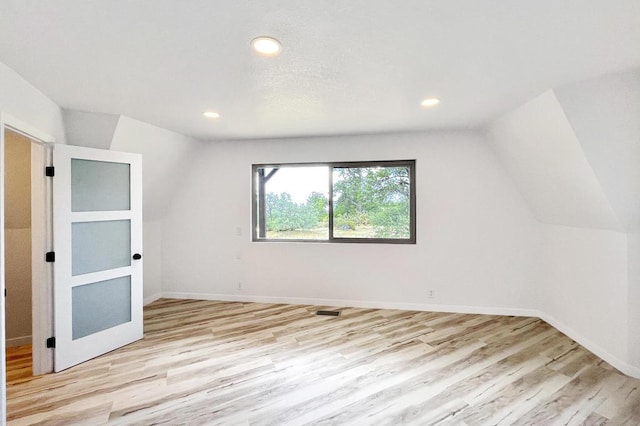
[
  {"x": 429, "y": 102},
  {"x": 211, "y": 114},
  {"x": 267, "y": 46}
]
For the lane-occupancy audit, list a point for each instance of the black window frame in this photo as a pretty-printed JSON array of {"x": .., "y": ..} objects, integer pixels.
[{"x": 256, "y": 183}]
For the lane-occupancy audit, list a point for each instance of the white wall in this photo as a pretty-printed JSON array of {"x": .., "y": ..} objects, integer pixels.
[
  {"x": 476, "y": 239},
  {"x": 26, "y": 103},
  {"x": 152, "y": 243},
  {"x": 585, "y": 288}
]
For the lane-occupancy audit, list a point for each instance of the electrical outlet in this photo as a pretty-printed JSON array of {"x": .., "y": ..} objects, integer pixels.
[
  {"x": 238, "y": 231},
  {"x": 239, "y": 285},
  {"x": 431, "y": 294}
]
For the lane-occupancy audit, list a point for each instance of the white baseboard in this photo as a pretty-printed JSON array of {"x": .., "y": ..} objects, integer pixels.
[
  {"x": 18, "y": 341},
  {"x": 616, "y": 362},
  {"x": 151, "y": 298},
  {"x": 597, "y": 350},
  {"x": 462, "y": 309}
]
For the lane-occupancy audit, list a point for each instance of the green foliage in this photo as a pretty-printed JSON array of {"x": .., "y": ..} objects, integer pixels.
[
  {"x": 377, "y": 196},
  {"x": 319, "y": 204},
  {"x": 283, "y": 214},
  {"x": 392, "y": 221},
  {"x": 350, "y": 221}
]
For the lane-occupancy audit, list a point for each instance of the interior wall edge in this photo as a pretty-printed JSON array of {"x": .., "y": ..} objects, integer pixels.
[{"x": 623, "y": 366}]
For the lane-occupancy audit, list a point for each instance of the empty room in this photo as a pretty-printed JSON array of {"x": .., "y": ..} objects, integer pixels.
[{"x": 293, "y": 212}]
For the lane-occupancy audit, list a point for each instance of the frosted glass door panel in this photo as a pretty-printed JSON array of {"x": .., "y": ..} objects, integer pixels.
[
  {"x": 100, "y": 186},
  {"x": 99, "y": 306},
  {"x": 99, "y": 246}
]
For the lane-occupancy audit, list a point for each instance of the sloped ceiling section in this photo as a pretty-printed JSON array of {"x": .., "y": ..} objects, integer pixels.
[
  {"x": 166, "y": 156},
  {"x": 539, "y": 148},
  {"x": 605, "y": 116},
  {"x": 93, "y": 130}
]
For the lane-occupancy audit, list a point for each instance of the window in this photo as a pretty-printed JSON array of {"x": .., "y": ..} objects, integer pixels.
[{"x": 335, "y": 202}]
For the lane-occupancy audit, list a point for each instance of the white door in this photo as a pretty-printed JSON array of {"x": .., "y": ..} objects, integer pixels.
[{"x": 97, "y": 238}]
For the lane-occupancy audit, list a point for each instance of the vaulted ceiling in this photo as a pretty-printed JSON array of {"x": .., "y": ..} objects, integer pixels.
[
  {"x": 573, "y": 152},
  {"x": 356, "y": 66}
]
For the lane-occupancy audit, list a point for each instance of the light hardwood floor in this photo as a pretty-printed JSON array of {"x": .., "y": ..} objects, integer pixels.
[{"x": 204, "y": 362}]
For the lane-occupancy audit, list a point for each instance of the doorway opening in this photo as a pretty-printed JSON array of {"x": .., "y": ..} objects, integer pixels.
[
  {"x": 25, "y": 239},
  {"x": 17, "y": 243},
  {"x": 41, "y": 241}
]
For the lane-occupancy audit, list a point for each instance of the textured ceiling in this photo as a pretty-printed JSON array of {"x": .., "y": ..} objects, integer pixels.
[{"x": 347, "y": 66}]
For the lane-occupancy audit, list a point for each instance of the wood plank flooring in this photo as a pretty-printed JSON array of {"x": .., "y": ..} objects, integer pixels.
[{"x": 228, "y": 363}]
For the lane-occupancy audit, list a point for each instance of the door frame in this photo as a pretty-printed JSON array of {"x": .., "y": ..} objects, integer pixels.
[{"x": 42, "y": 302}]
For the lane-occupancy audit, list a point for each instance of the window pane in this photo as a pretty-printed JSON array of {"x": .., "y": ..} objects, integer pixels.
[
  {"x": 372, "y": 202},
  {"x": 293, "y": 202}
]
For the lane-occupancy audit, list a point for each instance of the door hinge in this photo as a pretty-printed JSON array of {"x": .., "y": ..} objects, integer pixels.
[
  {"x": 51, "y": 342},
  {"x": 49, "y": 171},
  {"x": 50, "y": 256}
]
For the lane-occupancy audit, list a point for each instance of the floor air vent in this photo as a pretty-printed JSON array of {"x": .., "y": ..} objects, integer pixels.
[{"x": 329, "y": 313}]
